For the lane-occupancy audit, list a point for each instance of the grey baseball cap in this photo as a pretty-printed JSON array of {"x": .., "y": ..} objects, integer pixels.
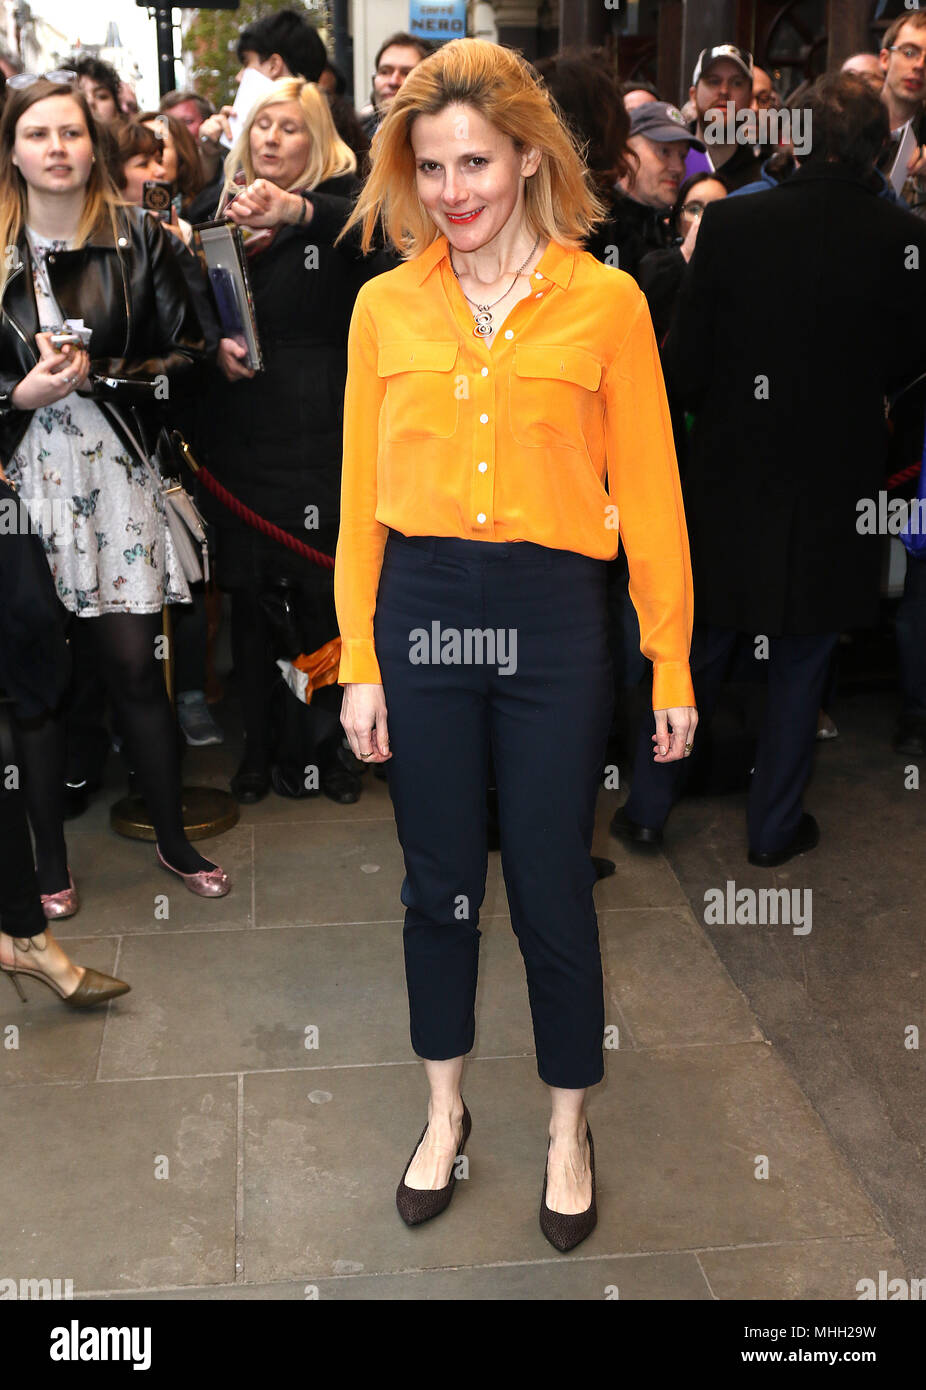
[{"x": 660, "y": 121}]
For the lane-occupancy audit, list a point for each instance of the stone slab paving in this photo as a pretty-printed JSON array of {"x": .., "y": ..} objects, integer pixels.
[{"x": 198, "y": 1148}]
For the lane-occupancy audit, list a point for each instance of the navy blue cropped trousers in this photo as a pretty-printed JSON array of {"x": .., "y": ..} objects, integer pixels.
[{"x": 497, "y": 646}]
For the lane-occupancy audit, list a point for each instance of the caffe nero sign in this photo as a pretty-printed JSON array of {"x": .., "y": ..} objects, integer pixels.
[{"x": 436, "y": 22}]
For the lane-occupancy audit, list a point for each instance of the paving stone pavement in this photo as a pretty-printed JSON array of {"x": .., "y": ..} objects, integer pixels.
[{"x": 235, "y": 1127}]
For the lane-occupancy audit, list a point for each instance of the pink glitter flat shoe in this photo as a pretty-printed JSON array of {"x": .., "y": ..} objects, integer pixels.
[
  {"x": 208, "y": 883},
  {"x": 62, "y": 904}
]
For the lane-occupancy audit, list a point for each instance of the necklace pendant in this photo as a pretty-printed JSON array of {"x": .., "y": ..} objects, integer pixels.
[{"x": 483, "y": 322}]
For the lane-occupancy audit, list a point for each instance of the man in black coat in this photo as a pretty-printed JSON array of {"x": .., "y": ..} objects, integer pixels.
[{"x": 802, "y": 309}]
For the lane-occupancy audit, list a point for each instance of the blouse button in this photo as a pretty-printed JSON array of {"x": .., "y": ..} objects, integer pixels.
[
  {"x": 483, "y": 419},
  {"x": 537, "y": 275},
  {"x": 481, "y": 518},
  {"x": 482, "y": 467},
  {"x": 485, "y": 371},
  {"x": 509, "y": 333},
  {"x": 123, "y": 241},
  {"x": 539, "y": 294}
]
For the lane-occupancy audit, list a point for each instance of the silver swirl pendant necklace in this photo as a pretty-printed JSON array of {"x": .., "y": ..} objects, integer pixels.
[{"x": 483, "y": 314}]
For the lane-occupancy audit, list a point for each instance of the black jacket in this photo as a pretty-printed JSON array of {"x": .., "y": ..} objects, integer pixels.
[
  {"x": 275, "y": 439},
  {"x": 797, "y": 316},
  {"x": 646, "y": 248},
  {"x": 131, "y": 292}
]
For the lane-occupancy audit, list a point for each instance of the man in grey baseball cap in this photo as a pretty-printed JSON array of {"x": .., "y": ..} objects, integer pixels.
[
  {"x": 640, "y": 223},
  {"x": 660, "y": 140}
]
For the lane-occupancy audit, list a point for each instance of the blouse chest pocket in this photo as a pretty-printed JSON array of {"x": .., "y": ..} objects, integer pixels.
[
  {"x": 552, "y": 395},
  {"x": 421, "y": 395}
]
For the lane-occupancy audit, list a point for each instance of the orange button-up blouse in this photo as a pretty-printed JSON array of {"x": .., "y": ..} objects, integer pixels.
[{"x": 444, "y": 436}]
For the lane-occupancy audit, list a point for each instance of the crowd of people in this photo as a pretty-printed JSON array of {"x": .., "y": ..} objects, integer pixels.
[{"x": 768, "y": 334}]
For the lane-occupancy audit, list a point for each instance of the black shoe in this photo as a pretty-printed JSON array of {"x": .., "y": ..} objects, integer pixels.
[
  {"x": 249, "y": 785},
  {"x": 623, "y": 828},
  {"x": 604, "y": 868},
  {"x": 76, "y": 798},
  {"x": 807, "y": 836},
  {"x": 564, "y": 1232},
  {"x": 910, "y": 736},
  {"x": 420, "y": 1204},
  {"x": 340, "y": 785},
  {"x": 346, "y": 758}
]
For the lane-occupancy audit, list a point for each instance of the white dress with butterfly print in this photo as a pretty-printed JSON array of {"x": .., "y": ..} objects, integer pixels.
[{"x": 104, "y": 533}]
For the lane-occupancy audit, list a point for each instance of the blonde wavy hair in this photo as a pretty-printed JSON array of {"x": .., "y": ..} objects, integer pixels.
[
  {"x": 101, "y": 199},
  {"x": 560, "y": 201},
  {"x": 328, "y": 157}
]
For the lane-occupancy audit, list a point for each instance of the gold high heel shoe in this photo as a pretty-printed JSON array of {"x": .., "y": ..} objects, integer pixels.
[{"x": 93, "y": 988}]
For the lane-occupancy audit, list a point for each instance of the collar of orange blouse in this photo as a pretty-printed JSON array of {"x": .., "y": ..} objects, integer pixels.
[{"x": 556, "y": 263}]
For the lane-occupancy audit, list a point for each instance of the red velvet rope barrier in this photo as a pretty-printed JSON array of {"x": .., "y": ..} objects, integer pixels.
[
  {"x": 317, "y": 557},
  {"x": 902, "y": 476}
]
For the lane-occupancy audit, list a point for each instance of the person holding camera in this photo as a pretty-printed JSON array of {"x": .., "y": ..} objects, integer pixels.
[{"x": 96, "y": 327}]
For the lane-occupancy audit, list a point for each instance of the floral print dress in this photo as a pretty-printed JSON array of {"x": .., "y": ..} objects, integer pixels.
[{"x": 95, "y": 504}]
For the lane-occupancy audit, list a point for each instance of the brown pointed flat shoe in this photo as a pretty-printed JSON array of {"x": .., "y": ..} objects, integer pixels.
[{"x": 421, "y": 1204}]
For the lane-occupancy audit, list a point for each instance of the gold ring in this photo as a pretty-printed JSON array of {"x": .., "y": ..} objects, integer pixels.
[
  {"x": 688, "y": 747},
  {"x": 366, "y": 755}
]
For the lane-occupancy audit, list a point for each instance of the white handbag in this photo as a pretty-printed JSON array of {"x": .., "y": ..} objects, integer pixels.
[{"x": 184, "y": 522}]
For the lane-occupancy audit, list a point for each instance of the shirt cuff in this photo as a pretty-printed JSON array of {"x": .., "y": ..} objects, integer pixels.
[
  {"x": 672, "y": 687},
  {"x": 358, "y": 663}
]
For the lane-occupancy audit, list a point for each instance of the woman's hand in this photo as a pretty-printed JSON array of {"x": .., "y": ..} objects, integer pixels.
[
  {"x": 229, "y": 357},
  {"x": 264, "y": 204},
  {"x": 215, "y": 126},
  {"x": 363, "y": 715},
  {"x": 688, "y": 245},
  {"x": 55, "y": 375},
  {"x": 682, "y": 720}
]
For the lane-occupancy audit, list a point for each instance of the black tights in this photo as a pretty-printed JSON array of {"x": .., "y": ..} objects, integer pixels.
[{"x": 124, "y": 647}]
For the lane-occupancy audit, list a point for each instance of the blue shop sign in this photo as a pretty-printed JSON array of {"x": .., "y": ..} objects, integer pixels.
[{"x": 437, "y": 22}]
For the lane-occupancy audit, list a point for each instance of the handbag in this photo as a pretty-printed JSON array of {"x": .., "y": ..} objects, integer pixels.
[{"x": 184, "y": 522}]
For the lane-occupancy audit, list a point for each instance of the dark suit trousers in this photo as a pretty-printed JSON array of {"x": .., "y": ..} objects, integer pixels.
[
  {"x": 797, "y": 671},
  {"x": 546, "y": 723}
]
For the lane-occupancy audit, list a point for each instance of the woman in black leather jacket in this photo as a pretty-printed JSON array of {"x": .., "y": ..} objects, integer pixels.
[{"x": 75, "y": 426}]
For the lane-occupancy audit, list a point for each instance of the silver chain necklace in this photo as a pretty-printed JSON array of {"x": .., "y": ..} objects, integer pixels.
[{"x": 483, "y": 315}]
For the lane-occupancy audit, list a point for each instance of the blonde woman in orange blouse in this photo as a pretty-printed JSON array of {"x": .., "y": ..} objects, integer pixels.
[{"x": 505, "y": 422}]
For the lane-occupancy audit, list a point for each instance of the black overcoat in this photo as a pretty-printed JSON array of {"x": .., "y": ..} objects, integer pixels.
[
  {"x": 275, "y": 440},
  {"x": 801, "y": 309}
]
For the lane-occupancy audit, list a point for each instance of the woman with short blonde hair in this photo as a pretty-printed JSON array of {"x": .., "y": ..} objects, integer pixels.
[
  {"x": 505, "y": 422},
  {"x": 328, "y": 156}
]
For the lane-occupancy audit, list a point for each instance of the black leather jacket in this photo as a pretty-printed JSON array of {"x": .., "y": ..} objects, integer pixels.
[{"x": 146, "y": 340}]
